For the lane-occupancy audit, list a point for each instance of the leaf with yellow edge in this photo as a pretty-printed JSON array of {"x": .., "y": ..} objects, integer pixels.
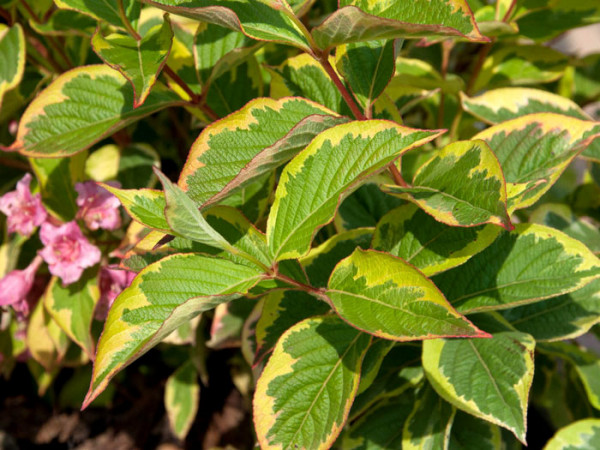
[
  {"x": 162, "y": 297},
  {"x": 304, "y": 394},
  {"x": 383, "y": 295},
  {"x": 182, "y": 394},
  {"x": 107, "y": 10},
  {"x": 227, "y": 146},
  {"x": 534, "y": 151},
  {"x": 334, "y": 164},
  {"x": 12, "y": 55},
  {"x": 581, "y": 435},
  {"x": 146, "y": 206},
  {"x": 488, "y": 378},
  {"x": 81, "y": 107},
  {"x": 139, "y": 60},
  {"x": 263, "y": 20},
  {"x": 462, "y": 185},
  {"x": 46, "y": 341},
  {"x": 528, "y": 264},
  {"x": 72, "y": 307},
  {"x": 500, "y": 105},
  {"x": 365, "y": 20},
  {"x": 431, "y": 246}
]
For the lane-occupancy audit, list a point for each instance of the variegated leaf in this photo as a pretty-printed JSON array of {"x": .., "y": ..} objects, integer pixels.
[
  {"x": 12, "y": 55},
  {"x": 524, "y": 266},
  {"x": 334, "y": 163},
  {"x": 581, "y": 435},
  {"x": 462, "y": 185},
  {"x": 304, "y": 394},
  {"x": 182, "y": 394},
  {"x": 470, "y": 374},
  {"x": 383, "y": 295},
  {"x": 107, "y": 10}
]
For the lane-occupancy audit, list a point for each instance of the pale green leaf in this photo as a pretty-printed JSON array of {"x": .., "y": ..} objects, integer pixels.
[
  {"x": 12, "y": 55},
  {"x": 580, "y": 435},
  {"x": 182, "y": 394}
]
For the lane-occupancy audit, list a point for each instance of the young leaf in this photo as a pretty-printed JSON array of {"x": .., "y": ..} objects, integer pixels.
[
  {"x": 432, "y": 247},
  {"x": 381, "y": 427},
  {"x": 72, "y": 308},
  {"x": 162, "y": 297},
  {"x": 12, "y": 55},
  {"x": 383, "y": 295},
  {"x": 304, "y": 394},
  {"x": 500, "y": 105},
  {"x": 335, "y": 162},
  {"x": 182, "y": 394},
  {"x": 263, "y": 20},
  {"x": 367, "y": 67},
  {"x": 521, "y": 65},
  {"x": 140, "y": 61},
  {"x": 281, "y": 310},
  {"x": 462, "y": 185},
  {"x": 535, "y": 150},
  {"x": 364, "y": 20},
  {"x": 81, "y": 107},
  {"x": 107, "y": 10},
  {"x": 470, "y": 374},
  {"x": 146, "y": 206},
  {"x": 524, "y": 266},
  {"x": 225, "y": 147},
  {"x": 584, "y": 434},
  {"x": 428, "y": 425},
  {"x": 564, "y": 317}
]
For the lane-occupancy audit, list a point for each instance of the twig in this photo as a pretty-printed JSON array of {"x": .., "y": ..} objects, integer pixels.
[
  {"x": 483, "y": 52},
  {"x": 30, "y": 11},
  {"x": 397, "y": 175},
  {"x": 324, "y": 60},
  {"x": 126, "y": 22}
]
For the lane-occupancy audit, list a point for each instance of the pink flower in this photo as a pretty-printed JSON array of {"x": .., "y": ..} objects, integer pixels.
[
  {"x": 98, "y": 207},
  {"x": 111, "y": 282},
  {"x": 15, "y": 286},
  {"x": 67, "y": 251},
  {"x": 24, "y": 211}
]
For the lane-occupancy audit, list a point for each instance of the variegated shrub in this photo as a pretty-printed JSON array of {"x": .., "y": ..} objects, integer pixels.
[{"x": 390, "y": 207}]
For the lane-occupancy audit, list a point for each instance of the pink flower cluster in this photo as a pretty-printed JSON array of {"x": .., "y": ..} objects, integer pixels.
[{"x": 66, "y": 250}]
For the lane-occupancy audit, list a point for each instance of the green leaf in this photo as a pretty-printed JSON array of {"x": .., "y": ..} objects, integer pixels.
[
  {"x": 564, "y": 317},
  {"x": 367, "y": 67},
  {"x": 182, "y": 394},
  {"x": 432, "y": 247},
  {"x": 421, "y": 74},
  {"x": 365, "y": 20},
  {"x": 372, "y": 362},
  {"x": 320, "y": 261},
  {"x": 228, "y": 321},
  {"x": 521, "y": 65},
  {"x": 184, "y": 217},
  {"x": 462, "y": 185},
  {"x": 335, "y": 162},
  {"x": 225, "y": 147},
  {"x": 281, "y": 310},
  {"x": 428, "y": 425},
  {"x": 381, "y": 427},
  {"x": 469, "y": 432},
  {"x": 146, "y": 206},
  {"x": 580, "y": 435},
  {"x": 65, "y": 22},
  {"x": 586, "y": 364},
  {"x": 534, "y": 150},
  {"x": 304, "y": 394},
  {"x": 12, "y": 55},
  {"x": 154, "y": 305},
  {"x": 263, "y": 20},
  {"x": 107, "y": 10},
  {"x": 56, "y": 178},
  {"x": 81, "y": 107},
  {"x": 524, "y": 266},
  {"x": 72, "y": 308},
  {"x": 140, "y": 61},
  {"x": 500, "y": 105},
  {"x": 488, "y": 378},
  {"x": 46, "y": 341},
  {"x": 383, "y": 295}
]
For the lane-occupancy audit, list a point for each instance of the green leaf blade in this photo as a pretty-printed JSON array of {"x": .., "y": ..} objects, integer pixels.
[
  {"x": 182, "y": 393},
  {"x": 12, "y": 55}
]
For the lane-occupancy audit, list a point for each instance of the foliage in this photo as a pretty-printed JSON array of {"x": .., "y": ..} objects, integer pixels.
[{"x": 389, "y": 207}]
